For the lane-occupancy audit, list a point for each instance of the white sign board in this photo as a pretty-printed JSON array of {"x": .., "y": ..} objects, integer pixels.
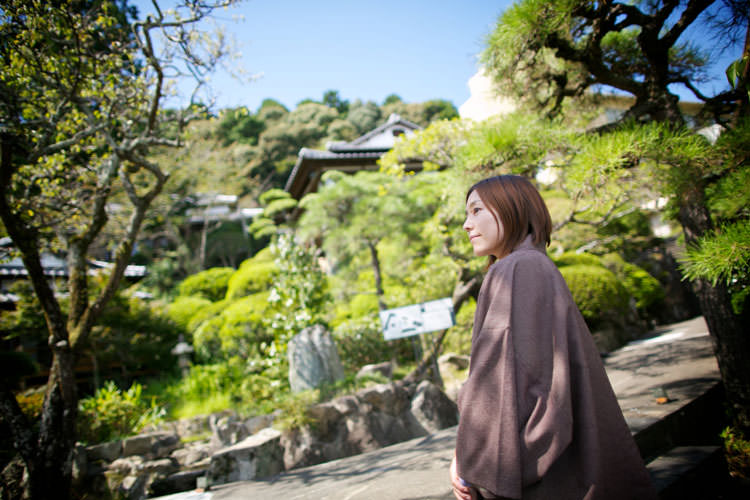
[{"x": 418, "y": 318}]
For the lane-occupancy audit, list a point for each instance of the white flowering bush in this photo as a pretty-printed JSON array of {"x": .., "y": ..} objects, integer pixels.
[{"x": 299, "y": 292}]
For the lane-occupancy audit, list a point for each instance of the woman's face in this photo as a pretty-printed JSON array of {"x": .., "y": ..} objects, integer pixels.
[{"x": 484, "y": 230}]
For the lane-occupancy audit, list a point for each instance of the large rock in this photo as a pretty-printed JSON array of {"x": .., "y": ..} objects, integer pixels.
[
  {"x": 432, "y": 408},
  {"x": 260, "y": 455},
  {"x": 192, "y": 455},
  {"x": 226, "y": 429},
  {"x": 175, "y": 483},
  {"x": 370, "y": 419},
  {"x": 107, "y": 452},
  {"x": 453, "y": 370},
  {"x": 155, "y": 444},
  {"x": 313, "y": 359},
  {"x": 385, "y": 369}
]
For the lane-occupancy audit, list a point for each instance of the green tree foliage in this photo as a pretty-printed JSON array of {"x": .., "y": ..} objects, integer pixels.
[
  {"x": 80, "y": 106},
  {"x": 544, "y": 52},
  {"x": 239, "y": 125},
  {"x": 364, "y": 116},
  {"x": 278, "y": 145},
  {"x": 332, "y": 99},
  {"x": 437, "y": 109},
  {"x": 353, "y": 214}
]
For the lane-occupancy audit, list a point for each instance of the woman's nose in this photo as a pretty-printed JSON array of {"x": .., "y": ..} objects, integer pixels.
[{"x": 467, "y": 224}]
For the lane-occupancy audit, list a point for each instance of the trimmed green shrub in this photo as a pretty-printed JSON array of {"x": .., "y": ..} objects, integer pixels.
[
  {"x": 577, "y": 259},
  {"x": 237, "y": 331},
  {"x": 253, "y": 276},
  {"x": 210, "y": 284},
  {"x": 644, "y": 288},
  {"x": 111, "y": 413},
  {"x": 205, "y": 313},
  {"x": 598, "y": 293},
  {"x": 183, "y": 309}
]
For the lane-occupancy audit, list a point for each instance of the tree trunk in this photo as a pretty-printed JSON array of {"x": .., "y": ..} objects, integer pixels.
[
  {"x": 376, "y": 271},
  {"x": 50, "y": 474},
  {"x": 728, "y": 330},
  {"x": 743, "y": 106}
]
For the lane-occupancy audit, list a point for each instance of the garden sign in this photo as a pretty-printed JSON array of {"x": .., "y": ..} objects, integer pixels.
[{"x": 418, "y": 318}]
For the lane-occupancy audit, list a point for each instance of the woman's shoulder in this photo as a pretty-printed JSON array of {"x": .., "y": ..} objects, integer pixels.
[{"x": 521, "y": 259}]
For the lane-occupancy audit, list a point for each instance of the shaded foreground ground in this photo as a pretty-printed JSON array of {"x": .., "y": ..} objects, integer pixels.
[{"x": 676, "y": 360}]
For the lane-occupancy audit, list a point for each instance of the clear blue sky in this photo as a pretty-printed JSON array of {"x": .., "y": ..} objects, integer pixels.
[{"x": 418, "y": 49}]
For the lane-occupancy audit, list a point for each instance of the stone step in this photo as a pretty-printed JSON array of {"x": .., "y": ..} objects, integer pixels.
[
  {"x": 689, "y": 472},
  {"x": 695, "y": 422}
]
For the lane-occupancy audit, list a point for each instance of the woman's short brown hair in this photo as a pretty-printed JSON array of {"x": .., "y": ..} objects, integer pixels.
[{"x": 518, "y": 206}]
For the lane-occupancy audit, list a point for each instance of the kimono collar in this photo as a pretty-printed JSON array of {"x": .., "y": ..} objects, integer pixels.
[{"x": 528, "y": 244}]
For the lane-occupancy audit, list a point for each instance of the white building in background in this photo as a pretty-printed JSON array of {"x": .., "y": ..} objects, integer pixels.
[{"x": 483, "y": 101}]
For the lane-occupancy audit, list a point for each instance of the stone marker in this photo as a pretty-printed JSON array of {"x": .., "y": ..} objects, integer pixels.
[{"x": 313, "y": 359}]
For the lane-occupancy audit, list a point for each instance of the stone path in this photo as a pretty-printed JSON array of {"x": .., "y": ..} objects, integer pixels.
[{"x": 677, "y": 359}]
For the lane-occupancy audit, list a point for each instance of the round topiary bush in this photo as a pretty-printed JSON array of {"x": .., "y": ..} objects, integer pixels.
[
  {"x": 236, "y": 330},
  {"x": 183, "y": 309},
  {"x": 210, "y": 284},
  {"x": 577, "y": 259},
  {"x": 252, "y": 277},
  {"x": 600, "y": 296},
  {"x": 644, "y": 288}
]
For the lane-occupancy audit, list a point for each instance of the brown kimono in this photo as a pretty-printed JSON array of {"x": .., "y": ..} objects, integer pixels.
[{"x": 539, "y": 418}]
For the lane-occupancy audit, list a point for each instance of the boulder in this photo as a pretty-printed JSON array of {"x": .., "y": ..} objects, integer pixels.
[
  {"x": 108, "y": 452},
  {"x": 160, "y": 467},
  {"x": 191, "y": 454},
  {"x": 227, "y": 429},
  {"x": 392, "y": 399},
  {"x": 126, "y": 465},
  {"x": 432, "y": 408},
  {"x": 192, "y": 426},
  {"x": 132, "y": 487},
  {"x": 452, "y": 368},
  {"x": 259, "y": 455},
  {"x": 313, "y": 359},
  {"x": 384, "y": 369},
  {"x": 175, "y": 483},
  {"x": 257, "y": 423},
  {"x": 155, "y": 444},
  {"x": 453, "y": 360}
]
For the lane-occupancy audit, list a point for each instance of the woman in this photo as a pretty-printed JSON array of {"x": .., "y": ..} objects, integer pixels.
[{"x": 539, "y": 418}]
